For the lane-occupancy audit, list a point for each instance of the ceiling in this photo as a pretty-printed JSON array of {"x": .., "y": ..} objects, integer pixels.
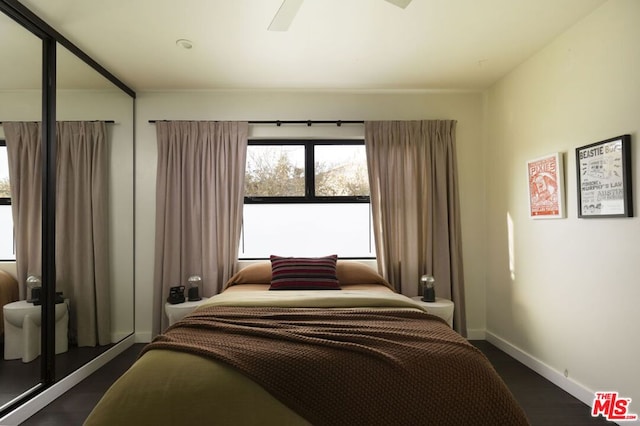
[{"x": 331, "y": 44}]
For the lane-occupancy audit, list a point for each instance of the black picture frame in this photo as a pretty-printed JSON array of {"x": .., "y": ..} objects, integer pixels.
[{"x": 604, "y": 179}]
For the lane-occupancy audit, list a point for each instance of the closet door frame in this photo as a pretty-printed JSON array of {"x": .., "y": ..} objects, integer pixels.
[{"x": 50, "y": 38}]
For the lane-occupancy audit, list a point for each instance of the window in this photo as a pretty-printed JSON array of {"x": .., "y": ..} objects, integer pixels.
[
  {"x": 306, "y": 198},
  {"x": 7, "y": 244}
]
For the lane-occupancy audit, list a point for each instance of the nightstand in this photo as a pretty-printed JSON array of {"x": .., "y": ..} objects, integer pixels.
[
  {"x": 442, "y": 308},
  {"x": 180, "y": 310}
]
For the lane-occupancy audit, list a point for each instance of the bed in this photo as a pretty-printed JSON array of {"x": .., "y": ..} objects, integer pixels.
[{"x": 336, "y": 351}]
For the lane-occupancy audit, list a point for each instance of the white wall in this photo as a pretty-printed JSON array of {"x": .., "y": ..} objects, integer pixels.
[
  {"x": 264, "y": 105},
  {"x": 567, "y": 296}
]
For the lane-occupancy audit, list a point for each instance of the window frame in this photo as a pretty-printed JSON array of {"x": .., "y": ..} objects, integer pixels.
[
  {"x": 309, "y": 173},
  {"x": 4, "y": 201}
]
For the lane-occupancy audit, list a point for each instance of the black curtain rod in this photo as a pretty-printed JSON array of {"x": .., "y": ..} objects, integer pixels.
[
  {"x": 77, "y": 121},
  {"x": 307, "y": 122}
]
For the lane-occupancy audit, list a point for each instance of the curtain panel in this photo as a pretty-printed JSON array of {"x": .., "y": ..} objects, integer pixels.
[
  {"x": 82, "y": 229},
  {"x": 82, "y": 219},
  {"x": 24, "y": 150},
  {"x": 199, "y": 201},
  {"x": 415, "y": 207}
]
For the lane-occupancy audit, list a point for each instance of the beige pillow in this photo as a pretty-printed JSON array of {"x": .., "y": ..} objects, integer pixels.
[
  {"x": 256, "y": 273},
  {"x": 354, "y": 272}
]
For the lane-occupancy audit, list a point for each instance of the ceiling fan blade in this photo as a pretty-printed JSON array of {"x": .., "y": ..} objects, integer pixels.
[
  {"x": 400, "y": 3},
  {"x": 284, "y": 16}
]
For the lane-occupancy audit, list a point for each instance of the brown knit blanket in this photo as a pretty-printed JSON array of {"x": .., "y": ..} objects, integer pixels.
[{"x": 357, "y": 366}]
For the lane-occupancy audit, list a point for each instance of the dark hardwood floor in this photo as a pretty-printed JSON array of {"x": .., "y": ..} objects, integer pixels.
[
  {"x": 73, "y": 407},
  {"x": 544, "y": 403},
  {"x": 17, "y": 376}
]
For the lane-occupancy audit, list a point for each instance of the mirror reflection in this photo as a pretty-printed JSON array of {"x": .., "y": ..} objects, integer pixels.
[
  {"x": 94, "y": 223},
  {"x": 20, "y": 100},
  {"x": 94, "y": 240}
]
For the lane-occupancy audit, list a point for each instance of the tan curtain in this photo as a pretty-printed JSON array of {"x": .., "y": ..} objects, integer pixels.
[
  {"x": 82, "y": 271},
  {"x": 24, "y": 150},
  {"x": 82, "y": 229},
  {"x": 415, "y": 206},
  {"x": 199, "y": 200}
]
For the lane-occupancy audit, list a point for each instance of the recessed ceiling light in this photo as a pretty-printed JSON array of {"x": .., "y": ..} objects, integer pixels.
[{"x": 183, "y": 43}]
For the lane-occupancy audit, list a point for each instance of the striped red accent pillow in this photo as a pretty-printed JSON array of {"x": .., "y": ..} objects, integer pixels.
[{"x": 304, "y": 273}]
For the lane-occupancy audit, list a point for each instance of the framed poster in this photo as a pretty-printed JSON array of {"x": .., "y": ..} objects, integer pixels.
[
  {"x": 545, "y": 176},
  {"x": 604, "y": 178}
]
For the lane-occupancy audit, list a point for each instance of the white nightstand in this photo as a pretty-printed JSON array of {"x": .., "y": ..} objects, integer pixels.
[
  {"x": 22, "y": 326},
  {"x": 442, "y": 308},
  {"x": 180, "y": 310}
]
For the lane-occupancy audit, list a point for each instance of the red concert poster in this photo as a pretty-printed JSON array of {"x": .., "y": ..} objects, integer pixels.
[{"x": 545, "y": 178}]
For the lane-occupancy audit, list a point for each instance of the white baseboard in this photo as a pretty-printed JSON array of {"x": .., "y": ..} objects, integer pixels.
[
  {"x": 556, "y": 377},
  {"x": 47, "y": 396},
  {"x": 117, "y": 336},
  {"x": 143, "y": 337},
  {"x": 476, "y": 334}
]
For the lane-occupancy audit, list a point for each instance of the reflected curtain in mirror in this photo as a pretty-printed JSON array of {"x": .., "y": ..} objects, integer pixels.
[
  {"x": 199, "y": 200},
  {"x": 82, "y": 234},
  {"x": 415, "y": 207},
  {"x": 24, "y": 150},
  {"x": 82, "y": 243}
]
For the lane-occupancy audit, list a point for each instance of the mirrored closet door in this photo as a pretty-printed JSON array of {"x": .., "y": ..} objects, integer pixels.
[{"x": 85, "y": 243}]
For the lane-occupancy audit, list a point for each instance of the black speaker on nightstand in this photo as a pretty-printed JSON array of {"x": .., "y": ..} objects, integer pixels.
[
  {"x": 194, "y": 294},
  {"x": 35, "y": 295},
  {"x": 195, "y": 287}
]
